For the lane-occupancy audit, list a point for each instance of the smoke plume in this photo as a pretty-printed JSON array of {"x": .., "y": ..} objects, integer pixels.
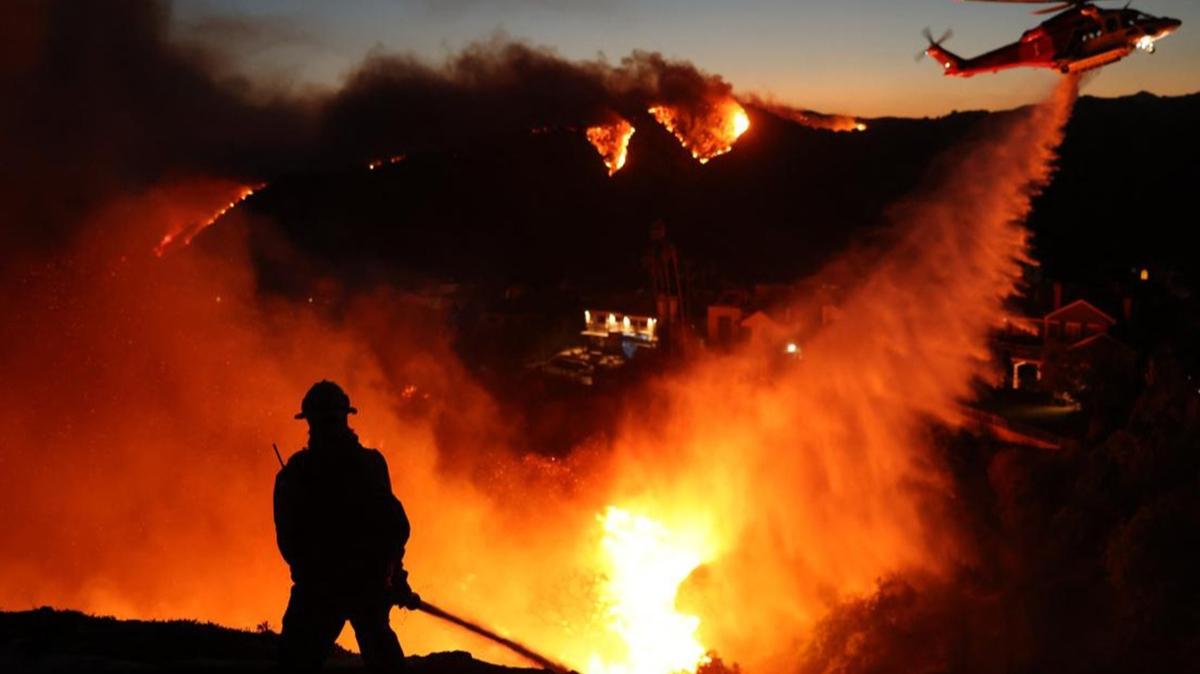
[{"x": 809, "y": 118}]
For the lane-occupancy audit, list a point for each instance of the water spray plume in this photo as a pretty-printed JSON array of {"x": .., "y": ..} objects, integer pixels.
[{"x": 820, "y": 479}]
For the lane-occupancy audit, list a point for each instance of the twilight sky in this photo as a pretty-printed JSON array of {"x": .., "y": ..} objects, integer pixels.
[{"x": 852, "y": 56}]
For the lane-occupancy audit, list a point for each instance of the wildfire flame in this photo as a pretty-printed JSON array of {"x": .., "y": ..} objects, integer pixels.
[
  {"x": 810, "y": 118},
  {"x": 836, "y": 123},
  {"x": 185, "y": 233},
  {"x": 648, "y": 562},
  {"x": 612, "y": 142},
  {"x": 707, "y": 133}
]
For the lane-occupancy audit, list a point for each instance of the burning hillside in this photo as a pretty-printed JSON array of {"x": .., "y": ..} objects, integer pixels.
[
  {"x": 810, "y": 118},
  {"x": 707, "y": 131},
  {"x": 612, "y": 142},
  {"x": 182, "y": 234}
]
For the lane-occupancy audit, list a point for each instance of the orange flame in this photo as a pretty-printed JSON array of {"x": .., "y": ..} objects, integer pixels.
[
  {"x": 183, "y": 234},
  {"x": 647, "y": 563},
  {"x": 837, "y": 123},
  {"x": 612, "y": 142},
  {"x": 706, "y": 133},
  {"x": 810, "y": 118}
]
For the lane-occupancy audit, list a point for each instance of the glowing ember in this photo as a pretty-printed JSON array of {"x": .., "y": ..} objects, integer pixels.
[
  {"x": 648, "y": 563},
  {"x": 185, "y": 233},
  {"x": 836, "y": 123},
  {"x": 708, "y": 132},
  {"x": 376, "y": 163},
  {"x": 612, "y": 142}
]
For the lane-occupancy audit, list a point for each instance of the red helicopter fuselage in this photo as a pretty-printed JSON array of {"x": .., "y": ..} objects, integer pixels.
[{"x": 1078, "y": 39}]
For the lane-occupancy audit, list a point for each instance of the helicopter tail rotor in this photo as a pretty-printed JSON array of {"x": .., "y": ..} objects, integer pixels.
[{"x": 932, "y": 42}]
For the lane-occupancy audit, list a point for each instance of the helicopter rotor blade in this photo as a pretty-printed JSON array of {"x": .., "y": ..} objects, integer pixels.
[
  {"x": 945, "y": 36},
  {"x": 1059, "y": 5},
  {"x": 1056, "y": 9}
]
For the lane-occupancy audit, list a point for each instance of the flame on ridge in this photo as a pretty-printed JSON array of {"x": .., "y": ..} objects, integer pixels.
[
  {"x": 815, "y": 120},
  {"x": 185, "y": 233},
  {"x": 810, "y": 118},
  {"x": 708, "y": 132},
  {"x": 612, "y": 142}
]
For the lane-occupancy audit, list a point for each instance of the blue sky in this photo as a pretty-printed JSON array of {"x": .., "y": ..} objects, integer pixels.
[{"x": 853, "y": 56}]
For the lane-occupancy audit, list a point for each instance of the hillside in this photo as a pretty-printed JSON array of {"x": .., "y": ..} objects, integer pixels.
[
  {"x": 538, "y": 207},
  {"x": 47, "y": 640}
]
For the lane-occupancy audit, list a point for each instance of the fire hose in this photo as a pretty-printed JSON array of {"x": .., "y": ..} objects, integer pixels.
[{"x": 523, "y": 651}]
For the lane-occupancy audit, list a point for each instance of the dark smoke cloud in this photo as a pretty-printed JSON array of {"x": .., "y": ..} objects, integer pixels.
[
  {"x": 497, "y": 88},
  {"x": 99, "y": 103},
  {"x": 397, "y": 102}
]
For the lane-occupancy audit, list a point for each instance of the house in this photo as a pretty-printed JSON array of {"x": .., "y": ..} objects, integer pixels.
[
  {"x": 772, "y": 314},
  {"x": 1074, "y": 322},
  {"x": 619, "y": 332},
  {"x": 1078, "y": 331},
  {"x": 724, "y": 324},
  {"x": 761, "y": 326}
]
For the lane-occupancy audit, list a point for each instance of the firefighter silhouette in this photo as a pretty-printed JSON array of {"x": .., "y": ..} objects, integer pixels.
[{"x": 342, "y": 531}]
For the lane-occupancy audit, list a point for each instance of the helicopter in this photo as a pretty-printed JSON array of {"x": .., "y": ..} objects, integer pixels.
[{"x": 1080, "y": 36}]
